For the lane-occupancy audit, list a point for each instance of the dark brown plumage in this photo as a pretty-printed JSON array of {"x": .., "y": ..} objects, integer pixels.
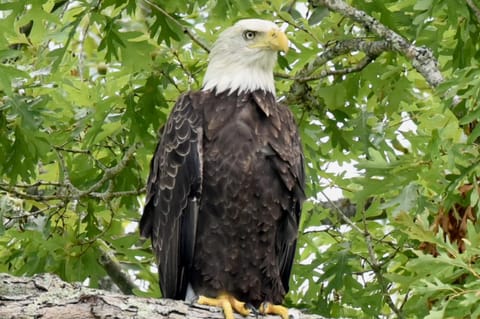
[{"x": 224, "y": 197}]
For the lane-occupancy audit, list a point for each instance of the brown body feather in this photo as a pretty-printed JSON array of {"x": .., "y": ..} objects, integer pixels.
[{"x": 224, "y": 197}]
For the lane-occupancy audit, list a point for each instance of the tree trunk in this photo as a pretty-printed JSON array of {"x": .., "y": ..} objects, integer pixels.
[{"x": 46, "y": 296}]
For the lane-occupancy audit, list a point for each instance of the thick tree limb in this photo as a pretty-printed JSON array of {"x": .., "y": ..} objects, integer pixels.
[
  {"x": 422, "y": 58},
  {"x": 114, "y": 269},
  {"x": 300, "y": 91},
  {"x": 474, "y": 8},
  {"x": 48, "y": 297}
]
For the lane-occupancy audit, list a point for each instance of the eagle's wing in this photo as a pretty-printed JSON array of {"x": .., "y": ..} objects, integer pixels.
[
  {"x": 174, "y": 186},
  {"x": 288, "y": 161},
  {"x": 288, "y": 230},
  {"x": 289, "y": 164}
]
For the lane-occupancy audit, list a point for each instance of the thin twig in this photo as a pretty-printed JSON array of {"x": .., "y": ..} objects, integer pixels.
[
  {"x": 370, "y": 48},
  {"x": 325, "y": 73},
  {"x": 60, "y": 196},
  {"x": 66, "y": 183},
  {"x": 356, "y": 68},
  {"x": 185, "y": 30},
  {"x": 35, "y": 197},
  {"x": 184, "y": 68},
  {"x": 171, "y": 80},
  {"x": 81, "y": 56},
  {"x": 377, "y": 268},
  {"x": 111, "y": 172},
  {"x": 342, "y": 214},
  {"x": 373, "y": 262},
  {"x": 71, "y": 150},
  {"x": 297, "y": 26},
  {"x": 34, "y": 185},
  {"x": 110, "y": 195},
  {"x": 66, "y": 191},
  {"x": 24, "y": 214}
]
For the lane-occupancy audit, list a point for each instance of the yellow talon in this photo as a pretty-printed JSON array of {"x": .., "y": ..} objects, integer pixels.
[
  {"x": 267, "y": 308},
  {"x": 227, "y": 303}
]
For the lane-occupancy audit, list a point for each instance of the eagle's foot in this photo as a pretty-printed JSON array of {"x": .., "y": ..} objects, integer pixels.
[
  {"x": 252, "y": 309},
  {"x": 267, "y": 308},
  {"x": 227, "y": 303}
]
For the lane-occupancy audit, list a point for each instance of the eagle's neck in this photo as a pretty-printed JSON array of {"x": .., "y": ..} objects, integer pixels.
[{"x": 241, "y": 73}]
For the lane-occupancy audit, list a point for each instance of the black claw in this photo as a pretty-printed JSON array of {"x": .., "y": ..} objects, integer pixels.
[
  {"x": 192, "y": 299},
  {"x": 264, "y": 305},
  {"x": 252, "y": 309}
]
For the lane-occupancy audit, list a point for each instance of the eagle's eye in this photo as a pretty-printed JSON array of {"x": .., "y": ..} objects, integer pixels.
[{"x": 249, "y": 35}]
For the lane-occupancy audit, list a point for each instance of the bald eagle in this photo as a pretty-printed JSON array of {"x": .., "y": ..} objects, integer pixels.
[{"x": 225, "y": 189}]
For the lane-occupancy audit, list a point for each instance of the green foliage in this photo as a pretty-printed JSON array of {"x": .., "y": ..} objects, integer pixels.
[{"x": 85, "y": 88}]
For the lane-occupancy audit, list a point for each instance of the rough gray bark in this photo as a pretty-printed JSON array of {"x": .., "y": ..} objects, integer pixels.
[
  {"x": 422, "y": 58},
  {"x": 48, "y": 297}
]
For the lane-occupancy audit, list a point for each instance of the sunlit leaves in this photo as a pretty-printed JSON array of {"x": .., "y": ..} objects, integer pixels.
[
  {"x": 112, "y": 40},
  {"x": 9, "y": 75}
]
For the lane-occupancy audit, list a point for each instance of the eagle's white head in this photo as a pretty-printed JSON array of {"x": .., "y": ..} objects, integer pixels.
[{"x": 243, "y": 57}]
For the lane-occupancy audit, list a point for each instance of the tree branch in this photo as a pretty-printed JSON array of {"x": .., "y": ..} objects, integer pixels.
[
  {"x": 114, "y": 269},
  {"x": 474, "y": 8},
  {"x": 324, "y": 73},
  {"x": 48, "y": 297},
  {"x": 371, "y": 49},
  {"x": 343, "y": 216},
  {"x": 372, "y": 260},
  {"x": 422, "y": 58},
  {"x": 65, "y": 190},
  {"x": 111, "y": 172},
  {"x": 377, "y": 269},
  {"x": 300, "y": 90}
]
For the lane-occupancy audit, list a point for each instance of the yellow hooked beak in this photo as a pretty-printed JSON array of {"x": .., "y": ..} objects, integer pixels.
[
  {"x": 277, "y": 40},
  {"x": 274, "y": 39}
]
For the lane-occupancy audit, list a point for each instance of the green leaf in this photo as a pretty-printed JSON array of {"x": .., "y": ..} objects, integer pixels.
[
  {"x": 436, "y": 314},
  {"x": 8, "y": 77},
  {"x": 422, "y": 5},
  {"x": 317, "y": 15}
]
